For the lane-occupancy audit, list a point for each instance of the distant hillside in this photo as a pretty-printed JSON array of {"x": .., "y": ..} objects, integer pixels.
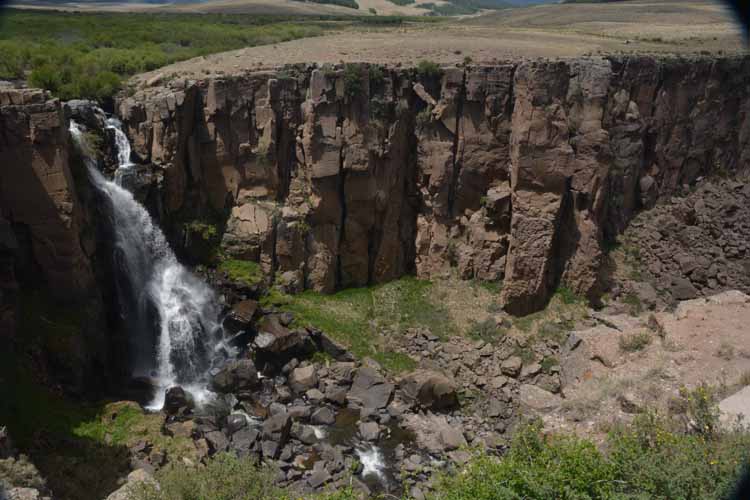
[{"x": 352, "y": 4}]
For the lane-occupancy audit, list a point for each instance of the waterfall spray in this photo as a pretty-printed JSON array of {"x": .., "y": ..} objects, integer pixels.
[{"x": 172, "y": 316}]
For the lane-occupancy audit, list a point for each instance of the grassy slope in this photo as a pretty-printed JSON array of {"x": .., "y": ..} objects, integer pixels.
[{"x": 367, "y": 320}]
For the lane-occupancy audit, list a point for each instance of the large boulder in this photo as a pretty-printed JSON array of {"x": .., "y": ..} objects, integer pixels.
[
  {"x": 177, "y": 401},
  {"x": 430, "y": 389},
  {"x": 303, "y": 378},
  {"x": 275, "y": 338},
  {"x": 237, "y": 376},
  {"x": 242, "y": 316},
  {"x": 370, "y": 389},
  {"x": 276, "y": 431}
]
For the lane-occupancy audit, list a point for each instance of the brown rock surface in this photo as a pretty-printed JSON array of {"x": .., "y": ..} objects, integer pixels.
[{"x": 514, "y": 172}]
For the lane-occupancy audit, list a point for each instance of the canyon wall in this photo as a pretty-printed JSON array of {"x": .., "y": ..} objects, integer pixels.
[
  {"x": 515, "y": 173},
  {"x": 50, "y": 302}
]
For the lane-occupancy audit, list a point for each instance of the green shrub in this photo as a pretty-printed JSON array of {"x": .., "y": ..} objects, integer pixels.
[
  {"x": 635, "y": 307},
  {"x": 647, "y": 459},
  {"x": 635, "y": 341},
  {"x": 486, "y": 330},
  {"x": 46, "y": 77},
  {"x": 87, "y": 54},
  {"x": 568, "y": 296},
  {"x": 13, "y": 60},
  {"x": 376, "y": 76},
  {"x": 352, "y": 80},
  {"x": 429, "y": 69},
  {"x": 225, "y": 477},
  {"x": 536, "y": 467}
]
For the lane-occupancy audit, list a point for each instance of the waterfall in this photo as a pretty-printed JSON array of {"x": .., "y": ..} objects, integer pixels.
[
  {"x": 125, "y": 166},
  {"x": 172, "y": 316}
]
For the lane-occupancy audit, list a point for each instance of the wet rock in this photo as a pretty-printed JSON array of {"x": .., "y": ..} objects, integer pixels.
[
  {"x": 236, "y": 376},
  {"x": 370, "y": 389},
  {"x": 177, "y": 401},
  {"x": 431, "y": 389},
  {"x": 306, "y": 434},
  {"x": 242, "y": 316},
  {"x": 235, "y": 422}
]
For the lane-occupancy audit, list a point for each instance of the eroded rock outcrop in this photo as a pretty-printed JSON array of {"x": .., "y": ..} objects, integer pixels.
[{"x": 335, "y": 177}]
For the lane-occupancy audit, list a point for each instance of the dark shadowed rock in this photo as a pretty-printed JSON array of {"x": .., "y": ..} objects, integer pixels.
[
  {"x": 177, "y": 401},
  {"x": 217, "y": 441}
]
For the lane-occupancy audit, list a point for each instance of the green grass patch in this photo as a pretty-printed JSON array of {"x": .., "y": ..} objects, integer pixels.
[
  {"x": 365, "y": 319},
  {"x": 568, "y": 296},
  {"x": 245, "y": 271}
]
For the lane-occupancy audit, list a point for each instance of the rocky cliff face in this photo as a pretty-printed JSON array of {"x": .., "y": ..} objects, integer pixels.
[
  {"x": 47, "y": 242},
  {"x": 513, "y": 173}
]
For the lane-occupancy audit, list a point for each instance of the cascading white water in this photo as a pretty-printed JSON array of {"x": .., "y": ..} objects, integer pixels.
[
  {"x": 186, "y": 320},
  {"x": 125, "y": 166},
  {"x": 372, "y": 461}
]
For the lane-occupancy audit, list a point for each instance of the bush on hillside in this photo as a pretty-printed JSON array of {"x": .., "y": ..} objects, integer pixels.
[{"x": 650, "y": 458}]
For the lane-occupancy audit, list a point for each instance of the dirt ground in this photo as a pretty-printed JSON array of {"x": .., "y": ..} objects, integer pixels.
[
  {"x": 669, "y": 27},
  {"x": 702, "y": 341}
]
